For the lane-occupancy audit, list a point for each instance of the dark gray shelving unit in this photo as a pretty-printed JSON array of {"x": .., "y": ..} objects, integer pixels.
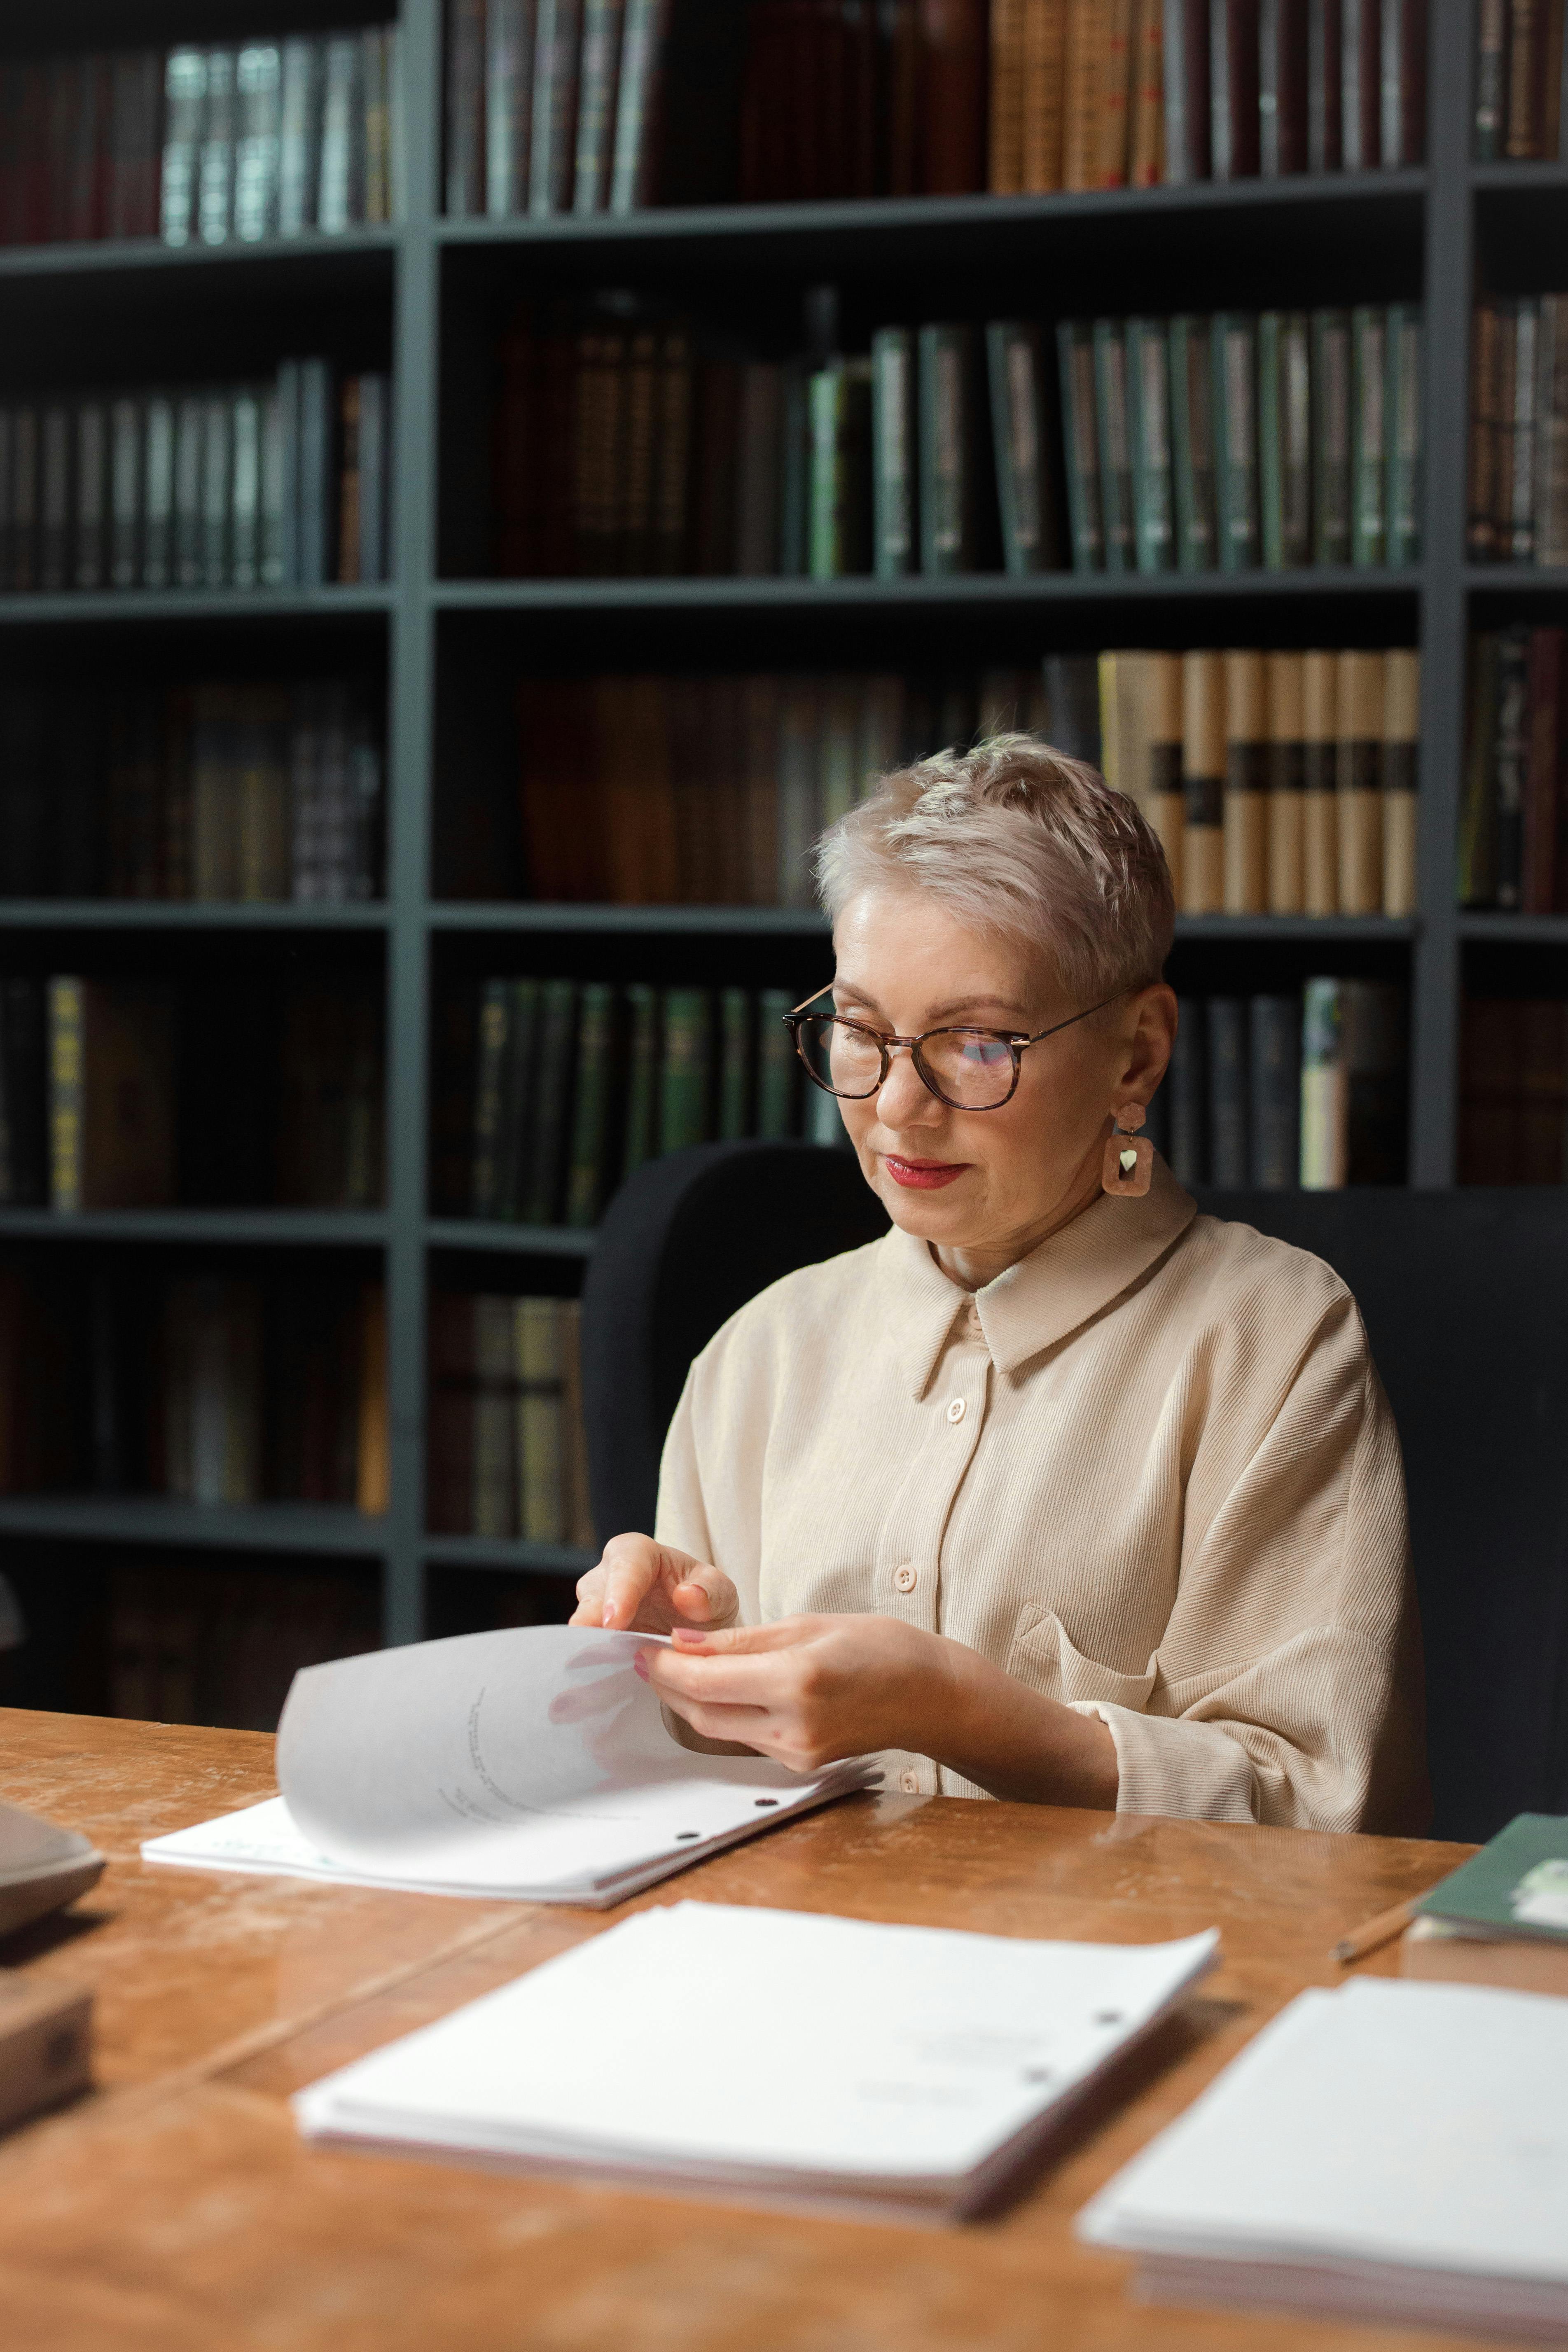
[{"x": 419, "y": 288}]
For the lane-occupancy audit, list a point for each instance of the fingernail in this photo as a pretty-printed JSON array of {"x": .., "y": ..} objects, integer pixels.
[
  {"x": 639, "y": 1665},
  {"x": 689, "y": 1637}
]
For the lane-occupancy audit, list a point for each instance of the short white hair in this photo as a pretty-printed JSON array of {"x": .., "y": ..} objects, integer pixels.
[{"x": 1023, "y": 843}]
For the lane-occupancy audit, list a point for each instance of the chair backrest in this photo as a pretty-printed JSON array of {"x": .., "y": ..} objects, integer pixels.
[{"x": 1463, "y": 1294}]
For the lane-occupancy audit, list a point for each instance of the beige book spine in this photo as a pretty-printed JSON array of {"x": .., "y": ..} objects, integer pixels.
[
  {"x": 1246, "y": 785},
  {"x": 1086, "y": 32},
  {"x": 1203, "y": 783},
  {"x": 1113, "y": 96},
  {"x": 1401, "y": 767},
  {"x": 1146, "y": 135},
  {"x": 1045, "y": 93},
  {"x": 1320, "y": 811},
  {"x": 1167, "y": 808},
  {"x": 1286, "y": 781},
  {"x": 1361, "y": 699},
  {"x": 1007, "y": 96},
  {"x": 1111, "y": 762}
]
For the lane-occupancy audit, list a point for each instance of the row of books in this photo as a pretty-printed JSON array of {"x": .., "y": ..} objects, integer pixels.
[
  {"x": 508, "y": 1454},
  {"x": 1029, "y": 96},
  {"x": 207, "y": 1388},
  {"x": 286, "y": 484},
  {"x": 1514, "y": 1091},
  {"x": 1279, "y": 1092},
  {"x": 1517, "y": 495},
  {"x": 1513, "y": 817},
  {"x": 245, "y": 141},
  {"x": 551, "y": 105},
  {"x": 560, "y": 1088},
  {"x": 213, "y": 791},
  {"x": 1229, "y": 442},
  {"x": 1279, "y": 783},
  {"x": 128, "y": 1094},
  {"x": 221, "y": 1646},
  {"x": 1519, "y": 81}
]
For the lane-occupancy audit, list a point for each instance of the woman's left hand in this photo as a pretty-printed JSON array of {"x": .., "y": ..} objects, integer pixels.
[{"x": 809, "y": 1690}]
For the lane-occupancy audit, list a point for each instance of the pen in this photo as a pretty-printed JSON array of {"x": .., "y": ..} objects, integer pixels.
[{"x": 1374, "y": 1932}]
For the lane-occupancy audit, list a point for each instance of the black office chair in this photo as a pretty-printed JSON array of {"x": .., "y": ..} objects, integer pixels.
[{"x": 1464, "y": 1297}]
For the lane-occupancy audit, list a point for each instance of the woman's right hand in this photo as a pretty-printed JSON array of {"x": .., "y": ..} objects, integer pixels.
[{"x": 644, "y": 1587}]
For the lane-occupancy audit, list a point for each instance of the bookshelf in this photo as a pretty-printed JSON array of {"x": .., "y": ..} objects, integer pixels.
[{"x": 417, "y": 297}]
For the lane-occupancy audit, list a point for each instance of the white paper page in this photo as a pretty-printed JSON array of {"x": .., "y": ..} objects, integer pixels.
[
  {"x": 1425, "y": 2123},
  {"x": 828, "y": 2047}
]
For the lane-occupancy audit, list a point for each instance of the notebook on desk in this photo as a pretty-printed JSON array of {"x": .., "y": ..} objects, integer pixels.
[{"x": 531, "y": 1763}]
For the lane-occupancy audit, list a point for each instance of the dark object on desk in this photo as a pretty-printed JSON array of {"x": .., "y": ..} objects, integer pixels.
[
  {"x": 42, "y": 1868},
  {"x": 684, "y": 1244},
  {"x": 45, "y": 2044}
]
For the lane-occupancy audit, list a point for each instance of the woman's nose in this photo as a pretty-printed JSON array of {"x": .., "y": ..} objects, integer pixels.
[{"x": 904, "y": 1099}]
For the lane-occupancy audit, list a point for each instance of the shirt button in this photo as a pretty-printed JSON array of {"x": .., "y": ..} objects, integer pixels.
[
  {"x": 910, "y": 1784},
  {"x": 955, "y": 1411},
  {"x": 906, "y": 1578}
]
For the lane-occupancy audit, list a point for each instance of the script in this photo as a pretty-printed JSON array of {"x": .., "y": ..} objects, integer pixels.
[{"x": 534, "y": 1763}]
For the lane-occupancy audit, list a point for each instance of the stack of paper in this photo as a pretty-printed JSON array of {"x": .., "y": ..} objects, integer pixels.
[
  {"x": 531, "y": 1763},
  {"x": 1394, "y": 2151},
  {"x": 768, "y": 2053}
]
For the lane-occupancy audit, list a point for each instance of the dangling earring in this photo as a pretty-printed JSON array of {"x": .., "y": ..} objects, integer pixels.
[{"x": 1129, "y": 1156}]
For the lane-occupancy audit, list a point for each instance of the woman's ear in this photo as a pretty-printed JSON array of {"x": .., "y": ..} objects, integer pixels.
[{"x": 1149, "y": 1049}]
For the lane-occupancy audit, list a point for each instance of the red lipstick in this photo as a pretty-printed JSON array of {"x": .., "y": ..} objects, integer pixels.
[{"x": 923, "y": 1175}]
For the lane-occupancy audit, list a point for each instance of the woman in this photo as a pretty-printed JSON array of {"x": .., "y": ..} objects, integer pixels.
[{"x": 1059, "y": 1491}]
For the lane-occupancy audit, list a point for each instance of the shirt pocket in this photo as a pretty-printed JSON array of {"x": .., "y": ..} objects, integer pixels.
[{"x": 1044, "y": 1659}]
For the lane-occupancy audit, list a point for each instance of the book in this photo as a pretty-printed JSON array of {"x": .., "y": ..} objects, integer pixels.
[
  {"x": 1284, "y": 77},
  {"x": 1234, "y": 344},
  {"x": 1551, "y": 493},
  {"x": 1510, "y": 760},
  {"x": 1360, "y": 74},
  {"x": 1333, "y": 2169},
  {"x": 1233, "y": 90},
  {"x": 1478, "y": 844},
  {"x": 110, "y": 1059},
  {"x": 1402, "y": 410},
  {"x": 1369, "y": 444},
  {"x": 1146, "y": 95},
  {"x": 552, "y": 141},
  {"x": 1115, "y": 447},
  {"x": 638, "y": 104},
  {"x": 340, "y": 190},
  {"x": 803, "y": 2112},
  {"x": 1016, "y": 367},
  {"x": 1401, "y": 764},
  {"x": 1193, "y": 444},
  {"x": 1149, "y": 434},
  {"x": 1076, "y": 362},
  {"x": 185, "y": 101},
  {"x": 1360, "y": 697},
  {"x": 1286, "y": 698},
  {"x": 1274, "y": 1092},
  {"x": 1285, "y": 439},
  {"x": 1247, "y": 782},
  {"x": 1044, "y": 94},
  {"x": 258, "y": 77},
  {"x": 1437, "y": 1950},
  {"x": 1491, "y": 78},
  {"x": 1331, "y": 408},
  {"x": 1203, "y": 783},
  {"x": 216, "y": 149},
  {"x": 840, "y": 399},
  {"x": 1353, "y": 1083},
  {"x": 1186, "y": 72},
  {"x": 601, "y": 57},
  {"x": 946, "y": 491},
  {"x": 1006, "y": 172},
  {"x": 1516, "y": 1887},
  {"x": 474, "y": 1705}
]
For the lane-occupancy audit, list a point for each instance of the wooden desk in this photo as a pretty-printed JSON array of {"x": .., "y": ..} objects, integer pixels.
[{"x": 176, "y": 2209}]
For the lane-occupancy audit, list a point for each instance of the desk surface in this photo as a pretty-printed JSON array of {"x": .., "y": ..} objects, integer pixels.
[{"x": 175, "y": 2208}]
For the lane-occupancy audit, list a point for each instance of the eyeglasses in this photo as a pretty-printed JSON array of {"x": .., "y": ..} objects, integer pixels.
[{"x": 967, "y": 1069}]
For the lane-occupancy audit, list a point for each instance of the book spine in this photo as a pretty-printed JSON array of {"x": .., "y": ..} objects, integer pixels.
[
  {"x": 946, "y": 432},
  {"x": 1524, "y": 78},
  {"x": 1510, "y": 763},
  {"x": 1477, "y": 863},
  {"x": 185, "y": 97},
  {"x": 1234, "y": 356},
  {"x": 1490, "y": 91},
  {"x": 1285, "y": 439},
  {"x": 1178, "y": 163},
  {"x": 953, "y": 89},
  {"x": 1369, "y": 379},
  {"x": 1016, "y": 364},
  {"x": 684, "y": 1080},
  {"x": 375, "y": 474},
  {"x": 893, "y": 452},
  {"x": 1192, "y": 439},
  {"x": 553, "y": 146},
  {"x": 602, "y": 31},
  {"x": 1543, "y": 813},
  {"x": 1162, "y": 728},
  {"x": 91, "y": 489},
  {"x": 1230, "y": 1119},
  {"x": 125, "y": 446},
  {"x": 1246, "y": 775},
  {"x": 1331, "y": 409},
  {"x": 258, "y": 89},
  {"x": 158, "y": 492},
  {"x": 1203, "y": 783},
  {"x": 638, "y": 104},
  {"x": 1240, "y": 36},
  {"x": 1006, "y": 175},
  {"x": 1518, "y": 490},
  {"x": 1075, "y": 359},
  {"x": 589, "y": 1163},
  {"x": 1045, "y": 86},
  {"x": 217, "y": 490},
  {"x": 1486, "y": 328},
  {"x": 1146, "y": 123},
  {"x": 1285, "y": 684},
  {"x": 827, "y": 395},
  {"x": 1401, "y": 759},
  {"x": 67, "y": 1044},
  {"x": 1551, "y": 431},
  {"x": 493, "y": 1023},
  {"x": 313, "y": 478},
  {"x": 1274, "y": 1092},
  {"x": 1362, "y": 692},
  {"x": 1403, "y": 412},
  {"x": 299, "y": 136},
  {"x": 339, "y": 187},
  {"x": 215, "y": 168},
  {"x": 1325, "y": 141},
  {"x": 1154, "y": 491},
  {"x": 552, "y": 1102},
  {"x": 377, "y": 65},
  {"x": 1115, "y": 450},
  {"x": 54, "y": 496},
  {"x": 1319, "y": 801}
]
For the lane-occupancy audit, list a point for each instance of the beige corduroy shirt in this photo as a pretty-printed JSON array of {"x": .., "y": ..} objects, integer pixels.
[{"x": 1150, "y": 1471}]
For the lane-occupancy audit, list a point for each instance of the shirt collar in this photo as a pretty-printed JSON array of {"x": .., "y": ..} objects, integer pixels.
[{"x": 1055, "y": 1290}]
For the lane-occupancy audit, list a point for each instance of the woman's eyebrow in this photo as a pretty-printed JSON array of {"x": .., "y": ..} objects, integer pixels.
[{"x": 939, "y": 1012}]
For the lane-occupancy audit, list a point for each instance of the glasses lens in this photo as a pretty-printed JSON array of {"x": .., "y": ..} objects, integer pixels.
[
  {"x": 969, "y": 1068},
  {"x": 843, "y": 1059}
]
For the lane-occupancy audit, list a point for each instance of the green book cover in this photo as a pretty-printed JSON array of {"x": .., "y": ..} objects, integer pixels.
[
  {"x": 490, "y": 1069},
  {"x": 641, "y": 1140},
  {"x": 947, "y": 444},
  {"x": 1284, "y": 439},
  {"x": 1075, "y": 363},
  {"x": 1403, "y": 410},
  {"x": 1369, "y": 451},
  {"x": 735, "y": 1065},
  {"x": 827, "y": 399},
  {"x": 1330, "y": 436},
  {"x": 1517, "y": 1884},
  {"x": 1192, "y": 443},
  {"x": 1234, "y": 352},
  {"x": 893, "y": 437},
  {"x": 795, "y": 472},
  {"x": 1115, "y": 445},
  {"x": 550, "y": 1102},
  {"x": 1149, "y": 434},
  {"x": 587, "y": 1174},
  {"x": 684, "y": 1079},
  {"x": 1015, "y": 366},
  {"x": 779, "y": 1073}
]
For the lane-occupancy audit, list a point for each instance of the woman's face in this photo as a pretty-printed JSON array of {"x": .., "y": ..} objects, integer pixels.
[{"x": 994, "y": 1180}]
